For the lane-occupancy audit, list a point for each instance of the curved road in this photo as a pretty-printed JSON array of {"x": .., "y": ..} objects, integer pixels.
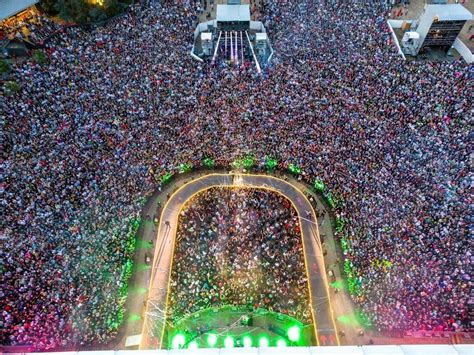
[{"x": 320, "y": 296}]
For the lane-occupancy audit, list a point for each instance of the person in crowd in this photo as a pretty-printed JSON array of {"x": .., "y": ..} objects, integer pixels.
[
  {"x": 239, "y": 247},
  {"x": 116, "y": 107}
]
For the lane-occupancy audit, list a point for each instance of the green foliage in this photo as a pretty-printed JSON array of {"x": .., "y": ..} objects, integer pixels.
[
  {"x": 319, "y": 186},
  {"x": 12, "y": 87},
  {"x": 114, "y": 7},
  {"x": 113, "y": 322},
  {"x": 4, "y": 66},
  {"x": 96, "y": 14},
  {"x": 340, "y": 224},
  {"x": 271, "y": 163},
  {"x": 248, "y": 162},
  {"x": 48, "y": 7},
  {"x": 353, "y": 283},
  {"x": 73, "y": 10},
  {"x": 83, "y": 11},
  {"x": 133, "y": 226},
  {"x": 185, "y": 167},
  {"x": 237, "y": 164},
  {"x": 40, "y": 57},
  {"x": 329, "y": 200},
  {"x": 208, "y": 163},
  {"x": 344, "y": 245},
  {"x": 126, "y": 273},
  {"x": 294, "y": 169},
  {"x": 337, "y": 202},
  {"x": 166, "y": 178}
]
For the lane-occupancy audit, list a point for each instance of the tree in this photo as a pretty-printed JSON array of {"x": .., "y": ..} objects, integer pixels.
[
  {"x": 12, "y": 87},
  {"x": 4, "y": 66},
  {"x": 82, "y": 11},
  {"x": 73, "y": 10},
  {"x": 48, "y": 7},
  {"x": 96, "y": 14},
  {"x": 40, "y": 57},
  {"x": 114, "y": 7}
]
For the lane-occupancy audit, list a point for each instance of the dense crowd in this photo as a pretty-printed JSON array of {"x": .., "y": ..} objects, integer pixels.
[
  {"x": 91, "y": 132},
  {"x": 239, "y": 247}
]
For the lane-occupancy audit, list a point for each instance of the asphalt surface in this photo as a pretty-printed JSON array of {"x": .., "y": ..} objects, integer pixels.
[{"x": 154, "y": 318}]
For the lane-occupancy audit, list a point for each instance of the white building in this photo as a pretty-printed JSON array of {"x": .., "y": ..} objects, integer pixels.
[{"x": 437, "y": 28}]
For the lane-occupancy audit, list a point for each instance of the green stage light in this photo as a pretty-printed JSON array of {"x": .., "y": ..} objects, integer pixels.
[
  {"x": 263, "y": 342},
  {"x": 193, "y": 345},
  {"x": 294, "y": 333},
  {"x": 281, "y": 343},
  {"x": 229, "y": 342},
  {"x": 211, "y": 340},
  {"x": 178, "y": 341},
  {"x": 247, "y": 341}
]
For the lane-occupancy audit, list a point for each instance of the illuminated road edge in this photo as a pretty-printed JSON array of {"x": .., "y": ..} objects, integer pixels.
[{"x": 321, "y": 308}]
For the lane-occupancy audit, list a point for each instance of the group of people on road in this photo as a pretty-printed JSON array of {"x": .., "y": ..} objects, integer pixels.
[
  {"x": 115, "y": 108},
  {"x": 238, "y": 247}
]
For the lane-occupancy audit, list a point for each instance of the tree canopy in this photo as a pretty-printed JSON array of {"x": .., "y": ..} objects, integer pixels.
[{"x": 83, "y": 11}]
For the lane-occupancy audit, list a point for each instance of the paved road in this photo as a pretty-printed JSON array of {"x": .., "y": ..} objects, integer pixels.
[{"x": 320, "y": 295}]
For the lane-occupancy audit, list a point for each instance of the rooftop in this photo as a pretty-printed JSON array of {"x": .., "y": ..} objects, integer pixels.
[
  {"x": 416, "y": 8},
  {"x": 227, "y": 13},
  {"x": 12, "y": 7},
  {"x": 449, "y": 12}
]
